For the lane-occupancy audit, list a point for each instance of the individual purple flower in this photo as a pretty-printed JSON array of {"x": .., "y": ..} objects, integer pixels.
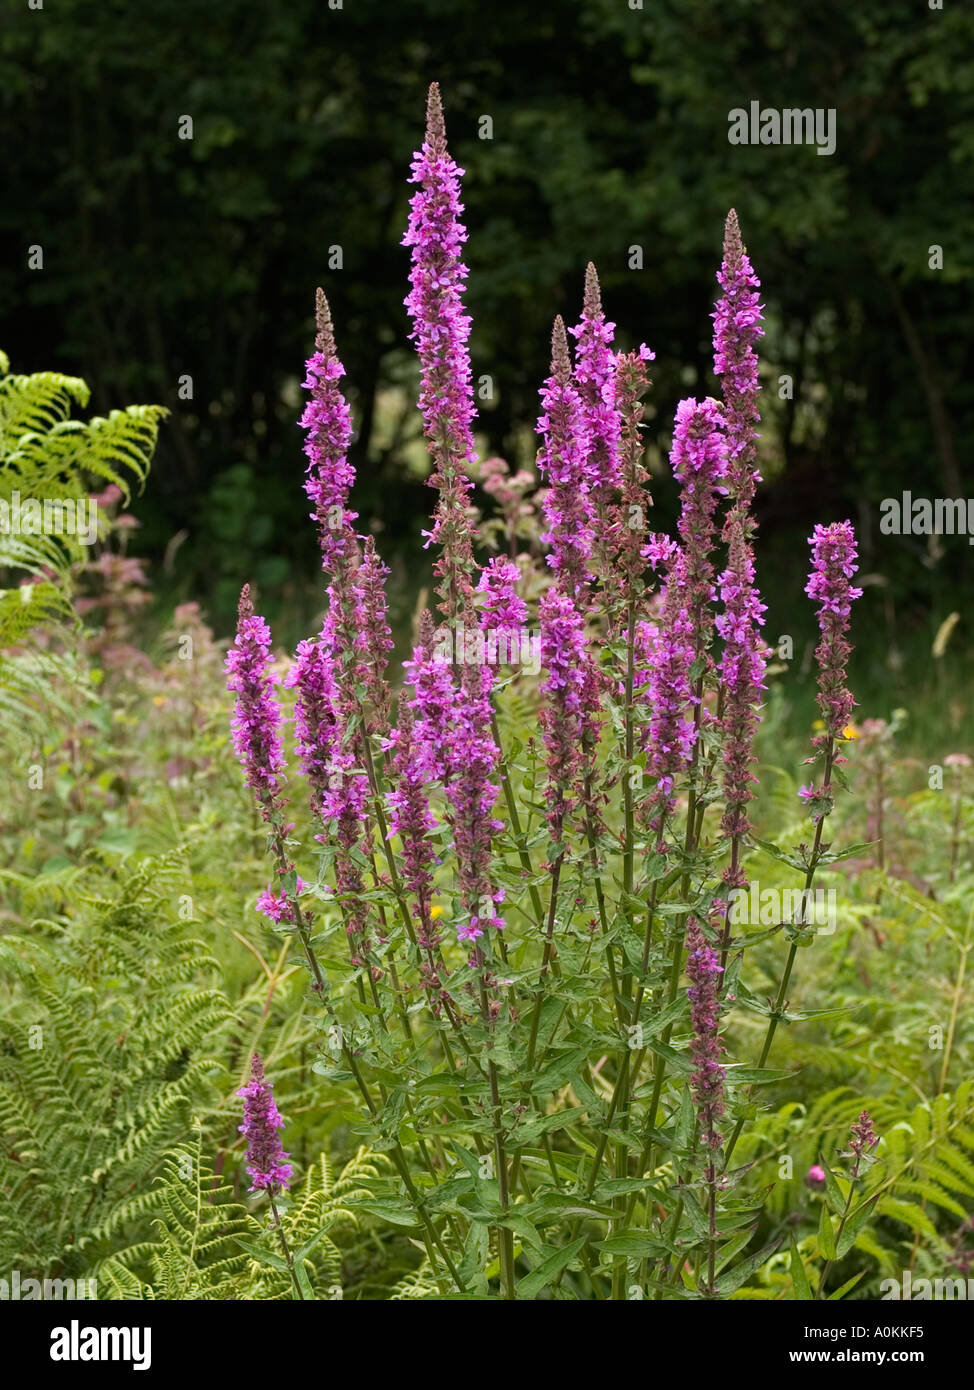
[
  {"x": 562, "y": 462},
  {"x": 328, "y": 424},
  {"x": 279, "y": 907},
  {"x": 834, "y": 558},
  {"x": 742, "y": 675},
  {"x": 570, "y": 714},
  {"x": 707, "y": 1078},
  {"x": 266, "y": 1160},
  {"x": 441, "y": 329},
  {"x": 257, "y": 719},
  {"x": 699, "y": 461},
  {"x": 737, "y": 327},
  {"x": 815, "y": 1178}
]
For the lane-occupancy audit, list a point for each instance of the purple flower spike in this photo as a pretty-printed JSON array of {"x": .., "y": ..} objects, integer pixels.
[
  {"x": 257, "y": 719},
  {"x": 570, "y": 716},
  {"x": 562, "y": 462},
  {"x": 699, "y": 461},
  {"x": 834, "y": 556},
  {"x": 266, "y": 1160},
  {"x": 328, "y": 424},
  {"x": 440, "y": 331},
  {"x": 737, "y": 327},
  {"x": 595, "y": 376}
]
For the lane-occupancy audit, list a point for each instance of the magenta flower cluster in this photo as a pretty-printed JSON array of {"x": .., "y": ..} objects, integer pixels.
[
  {"x": 257, "y": 719},
  {"x": 266, "y": 1160}
]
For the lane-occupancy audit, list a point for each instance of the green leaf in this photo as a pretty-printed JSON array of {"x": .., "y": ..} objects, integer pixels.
[
  {"x": 533, "y": 1283},
  {"x": 853, "y": 1226},
  {"x": 826, "y": 1236},
  {"x": 639, "y": 1246},
  {"x": 397, "y": 1216},
  {"x": 833, "y": 1192},
  {"x": 262, "y": 1256},
  {"x": 734, "y": 1278},
  {"x": 844, "y": 1288},
  {"x": 799, "y": 1279},
  {"x": 303, "y": 1282}
]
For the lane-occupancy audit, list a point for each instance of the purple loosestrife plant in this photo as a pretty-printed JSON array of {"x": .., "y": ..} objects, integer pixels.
[
  {"x": 441, "y": 329},
  {"x": 471, "y": 1045}
]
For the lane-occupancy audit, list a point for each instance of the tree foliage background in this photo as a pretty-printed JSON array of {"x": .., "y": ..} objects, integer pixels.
[{"x": 166, "y": 257}]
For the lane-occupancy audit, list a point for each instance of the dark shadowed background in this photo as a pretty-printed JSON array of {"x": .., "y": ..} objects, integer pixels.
[{"x": 166, "y": 258}]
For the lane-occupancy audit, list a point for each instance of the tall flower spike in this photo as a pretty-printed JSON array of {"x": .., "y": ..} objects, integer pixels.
[
  {"x": 707, "y": 1078},
  {"x": 562, "y": 462},
  {"x": 595, "y": 376},
  {"x": 327, "y": 422},
  {"x": 266, "y": 1160},
  {"x": 737, "y": 327},
  {"x": 257, "y": 719},
  {"x": 834, "y": 556},
  {"x": 440, "y": 331}
]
